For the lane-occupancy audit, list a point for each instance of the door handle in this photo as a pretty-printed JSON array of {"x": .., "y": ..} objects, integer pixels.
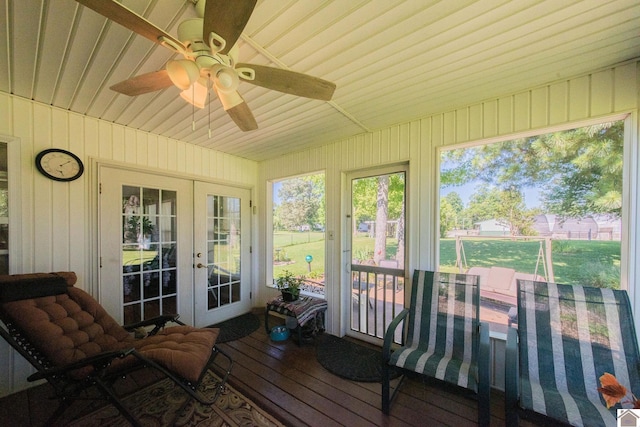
[{"x": 201, "y": 265}]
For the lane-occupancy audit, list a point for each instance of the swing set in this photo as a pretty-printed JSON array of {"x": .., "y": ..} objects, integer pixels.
[{"x": 543, "y": 258}]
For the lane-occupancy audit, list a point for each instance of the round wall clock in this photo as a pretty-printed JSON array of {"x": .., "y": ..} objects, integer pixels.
[{"x": 59, "y": 165}]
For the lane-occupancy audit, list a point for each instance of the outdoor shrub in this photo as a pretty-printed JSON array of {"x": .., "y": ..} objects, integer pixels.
[
  {"x": 600, "y": 275},
  {"x": 563, "y": 247}
]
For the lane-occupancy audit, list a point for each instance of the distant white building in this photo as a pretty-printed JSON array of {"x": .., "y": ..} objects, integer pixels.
[{"x": 491, "y": 227}]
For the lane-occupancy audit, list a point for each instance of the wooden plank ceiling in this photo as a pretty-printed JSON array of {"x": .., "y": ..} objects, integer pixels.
[{"x": 392, "y": 61}]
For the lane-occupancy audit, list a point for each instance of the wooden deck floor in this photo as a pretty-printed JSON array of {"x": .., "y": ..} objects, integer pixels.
[{"x": 288, "y": 382}]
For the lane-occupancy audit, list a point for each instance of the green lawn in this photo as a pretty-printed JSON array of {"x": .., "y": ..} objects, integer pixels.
[
  {"x": 586, "y": 262},
  {"x": 594, "y": 263}
]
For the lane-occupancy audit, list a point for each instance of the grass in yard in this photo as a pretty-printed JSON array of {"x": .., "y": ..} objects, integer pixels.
[{"x": 585, "y": 262}]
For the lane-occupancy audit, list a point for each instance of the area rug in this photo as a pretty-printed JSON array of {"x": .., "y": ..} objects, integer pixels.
[
  {"x": 350, "y": 360},
  {"x": 157, "y": 404},
  {"x": 237, "y": 327}
]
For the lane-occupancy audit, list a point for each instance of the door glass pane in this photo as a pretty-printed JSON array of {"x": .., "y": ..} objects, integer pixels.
[
  {"x": 223, "y": 250},
  {"x": 378, "y": 248},
  {"x": 148, "y": 252}
]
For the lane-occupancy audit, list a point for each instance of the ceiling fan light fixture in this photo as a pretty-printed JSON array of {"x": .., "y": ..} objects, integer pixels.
[
  {"x": 196, "y": 94},
  {"x": 183, "y": 73},
  {"x": 225, "y": 79}
]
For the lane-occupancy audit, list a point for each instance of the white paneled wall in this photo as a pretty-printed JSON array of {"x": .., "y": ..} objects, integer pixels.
[
  {"x": 56, "y": 218},
  {"x": 56, "y": 225},
  {"x": 563, "y": 104}
]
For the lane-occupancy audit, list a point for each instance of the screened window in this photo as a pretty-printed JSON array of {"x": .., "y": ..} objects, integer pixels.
[{"x": 547, "y": 207}]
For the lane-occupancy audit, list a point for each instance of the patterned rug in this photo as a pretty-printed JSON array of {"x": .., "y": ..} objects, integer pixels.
[
  {"x": 156, "y": 405},
  {"x": 350, "y": 360},
  {"x": 237, "y": 327}
]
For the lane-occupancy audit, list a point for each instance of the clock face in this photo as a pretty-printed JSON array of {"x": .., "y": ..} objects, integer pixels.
[{"x": 59, "y": 165}]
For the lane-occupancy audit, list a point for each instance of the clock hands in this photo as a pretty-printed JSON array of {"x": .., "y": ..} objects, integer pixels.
[{"x": 60, "y": 167}]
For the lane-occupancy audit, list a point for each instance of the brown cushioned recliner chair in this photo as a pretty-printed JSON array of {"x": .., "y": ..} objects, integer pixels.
[{"x": 75, "y": 345}]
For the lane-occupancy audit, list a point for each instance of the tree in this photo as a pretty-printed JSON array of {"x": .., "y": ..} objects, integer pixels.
[
  {"x": 302, "y": 203},
  {"x": 382, "y": 206},
  {"x": 507, "y": 207},
  {"x": 447, "y": 217},
  {"x": 579, "y": 170},
  {"x": 380, "y": 199}
]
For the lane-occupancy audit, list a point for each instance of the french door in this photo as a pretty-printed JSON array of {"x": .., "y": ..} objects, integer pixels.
[
  {"x": 221, "y": 248},
  {"x": 376, "y": 283},
  {"x": 158, "y": 235}
]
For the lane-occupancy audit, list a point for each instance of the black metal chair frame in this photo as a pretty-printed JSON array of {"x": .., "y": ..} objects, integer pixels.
[
  {"x": 482, "y": 355},
  {"x": 68, "y": 389}
]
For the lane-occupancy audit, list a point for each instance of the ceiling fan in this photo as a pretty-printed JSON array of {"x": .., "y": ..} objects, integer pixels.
[{"x": 210, "y": 58}]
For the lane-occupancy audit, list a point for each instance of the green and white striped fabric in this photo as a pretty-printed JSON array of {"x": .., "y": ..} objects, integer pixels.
[
  {"x": 569, "y": 336},
  {"x": 442, "y": 334}
]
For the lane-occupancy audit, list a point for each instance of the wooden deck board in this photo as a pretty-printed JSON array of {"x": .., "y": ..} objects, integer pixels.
[{"x": 287, "y": 380}]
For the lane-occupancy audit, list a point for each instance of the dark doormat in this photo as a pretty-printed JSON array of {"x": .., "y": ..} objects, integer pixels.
[
  {"x": 237, "y": 327},
  {"x": 350, "y": 360}
]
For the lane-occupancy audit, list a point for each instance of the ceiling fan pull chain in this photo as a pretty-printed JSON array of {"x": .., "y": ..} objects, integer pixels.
[{"x": 209, "y": 95}]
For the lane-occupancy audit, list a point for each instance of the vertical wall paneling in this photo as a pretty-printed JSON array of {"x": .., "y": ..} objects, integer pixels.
[
  {"x": 61, "y": 208},
  {"x": 579, "y": 91},
  {"x": 172, "y": 157},
  {"x": 192, "y": 163},
  {"x": 558, "y": 103},
  {"x": 567, "y": 101},
  {"x": 163, "y": 144},
  {"x": 6, "y": 127},
  {"x": 448, "y": 127},
  {"x": 475, "y": 122},
  {"x": 490, "y": 118},
  {"x": 362, "y": 152},
  {"x": 462, "y": 124},
  {"x": 152, "y": 151},
  {"x": 55, "y": 225},
  {"x": 130, "y": 145},
  {"x": 435, "y": 136},
  {"x": 505, "y": 115},
  {"x": 539, "y": 107},
  {"x": 624, "y": 98},
  {"x": 118, "y": 144},
  {"x": 376, "y": 148},
  {"x": 142, "y": 154},
  {"x": 601, "y": 101},
  {"x": 43, "y": 255},
  {"x": 181, "y": 161},
  {"x": 404, "y": 142},
  {"x": 79, "y": 253},
  {"x": 105, "y": 143},
  {"x": 522, "y": 111}
]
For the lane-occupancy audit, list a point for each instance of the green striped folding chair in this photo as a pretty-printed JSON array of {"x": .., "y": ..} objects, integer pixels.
[
  {"x": 567, "y": 337},
  {"x": 444, "y": 337}
]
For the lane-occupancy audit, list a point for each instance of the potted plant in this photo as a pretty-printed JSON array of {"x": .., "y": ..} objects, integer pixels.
[{"x": 289, "y": 285}]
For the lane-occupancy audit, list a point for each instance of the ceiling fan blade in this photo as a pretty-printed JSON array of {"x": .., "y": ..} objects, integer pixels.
[
  {"x": 129, "y": 19},
  {"x": 242, "y": 115},
  {"x": 144, "y": 83},
  {"x": 227, "y": 19},
  {"x": 291, "y": 82}
]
